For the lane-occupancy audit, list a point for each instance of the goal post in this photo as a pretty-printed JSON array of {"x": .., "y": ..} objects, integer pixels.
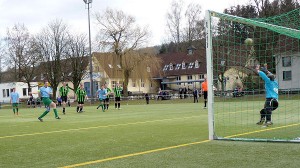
[{"x": 234, "y": 47}]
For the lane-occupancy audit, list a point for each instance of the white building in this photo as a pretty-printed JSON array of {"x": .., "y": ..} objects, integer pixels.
[
  {"x": 21, "y": 88},
  {"x": 288, "y": 71}
]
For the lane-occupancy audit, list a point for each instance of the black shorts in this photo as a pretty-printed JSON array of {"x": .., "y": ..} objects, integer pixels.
[
  {"x": 271, "y": 104},
  {"x": 81, "y": 102},
  {"x": 64, "y": 98},
  {"x": 107, "y": 100},
  {"x": 205, "y": 94},
  {"x": 117, "y": 98}
]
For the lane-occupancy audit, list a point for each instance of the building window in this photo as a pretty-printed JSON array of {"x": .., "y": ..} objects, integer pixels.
[
  {"x": 165, "y": 67},
  {"x": 7, "y": 92},
  {"x": 142, "y": 83},
  {"x": 171, "y": 66},
  {"x": 190, "y": 77},
  {"x": 96, "y": 68},
  {"x": 191, "y": 64},
  {"x": 24, "y": 92},
  {"x": 113, "y": 84},
  {"x": 133, "y": 83},
  {"x": 201, "y": 76},
  {"x": 110, "y": 66},
  {"x": 3, "y": 92},
  {"x": 196, "y": 64},
  {"x": 287, "y": 75},
  {"x": 178, "y": 66},
  {"x": 119, "y": 66},
  {"x": 286, "y": 61},
  {"x": 178, "y": 78},
  {"x": 183, "y": 65}
]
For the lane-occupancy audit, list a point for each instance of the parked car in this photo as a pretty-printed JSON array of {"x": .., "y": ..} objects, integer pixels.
[{"x": 164, "y": 95}]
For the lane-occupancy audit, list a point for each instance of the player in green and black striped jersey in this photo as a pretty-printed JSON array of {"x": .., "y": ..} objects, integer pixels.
[
  {"x": 117, "y": 91},
  {"x": 63, "y": 92},
  {"x": 80, "y": 97}
]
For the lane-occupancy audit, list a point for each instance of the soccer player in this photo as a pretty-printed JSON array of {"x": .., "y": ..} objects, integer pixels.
[
  {"x": 204, "y": 91},
  {"x": 63, "y": 92},
  {"x": 102, "y": 95},
  {"x": 271, "y": 103},
  {"x": 117, "y": 91},
  {"x": 107, "y": 97},
  {"x": 14, "y": 100},
  {"x": 45, "y": 93},
  {"x": 80, "y": 96}
]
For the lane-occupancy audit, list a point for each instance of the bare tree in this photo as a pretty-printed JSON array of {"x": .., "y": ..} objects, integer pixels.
[
  {"x": 1, "y": 58},
  {"x": 174, "y": 21},
  {"x": 76, "y": 59},
  {"x": 193, "y": 17},
  {"x": 22, "y": 52},
  {"x": 17, "y": 41},
  {"x": 52, "y": 43},
  {"x": 141, "y": 64},
  {"x": 120, "y": 34}
]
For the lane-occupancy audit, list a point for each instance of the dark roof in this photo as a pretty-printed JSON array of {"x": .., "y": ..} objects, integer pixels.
[{"x": 179, "y": 58}]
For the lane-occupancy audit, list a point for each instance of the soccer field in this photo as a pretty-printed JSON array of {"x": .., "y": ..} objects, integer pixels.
[{"x": 154, "y": 135}]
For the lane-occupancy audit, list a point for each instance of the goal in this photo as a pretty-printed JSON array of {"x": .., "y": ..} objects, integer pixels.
[{"x": 234, "y": 46}]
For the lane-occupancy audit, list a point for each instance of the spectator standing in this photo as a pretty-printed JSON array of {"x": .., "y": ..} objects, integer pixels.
[
  {"x": 196, "y": 95},
  {"x": 147, "y": 98}
]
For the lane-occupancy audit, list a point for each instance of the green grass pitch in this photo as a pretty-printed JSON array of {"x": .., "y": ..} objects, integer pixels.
[{"x": 170, "y": 134}]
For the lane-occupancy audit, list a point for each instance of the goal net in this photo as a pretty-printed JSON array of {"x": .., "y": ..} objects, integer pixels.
[{"x": 235, "y": 46}]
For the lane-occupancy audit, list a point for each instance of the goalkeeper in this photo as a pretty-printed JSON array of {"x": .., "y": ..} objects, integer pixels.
[{"x": 271, "y": 103}]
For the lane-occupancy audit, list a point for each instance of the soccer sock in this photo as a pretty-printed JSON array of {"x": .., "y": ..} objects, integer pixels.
[
  {"x": 77, "y": 108},
  {"x": 81, "y": 108},
  {"x": 107, "y": 106},
  {"x": 14, "y": 110},
  {"x": 17, "y": 109},
  {"x": 99, "y": 106},
  {"x": 262, "y": 114},
  {"x": 119, "y": 105},
  {"x": 64, "y": 109},
  {"x": 45, "y": 113},
  {"x": 55, "y": 113},
  {"x": 268, "y": 115},
  {"x": 115, "y": 105},
  {"x": 205, "y": 103}
]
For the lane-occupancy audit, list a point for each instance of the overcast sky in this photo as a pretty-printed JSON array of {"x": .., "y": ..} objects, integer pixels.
[{"x": 36, "y": 14}]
